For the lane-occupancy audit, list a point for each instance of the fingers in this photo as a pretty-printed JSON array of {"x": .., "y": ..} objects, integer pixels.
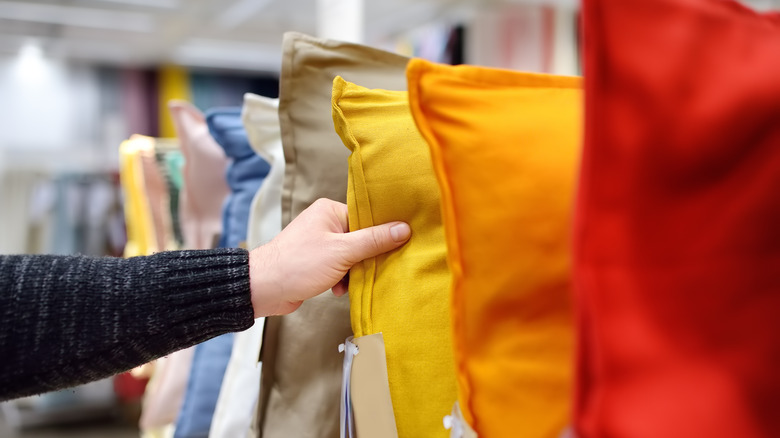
[
  {"x": 343, "y": 215},
  {"x": 340, "y": 288},
  {"x": 373, "y": 241},
  {"x": 330, "y": 211}
]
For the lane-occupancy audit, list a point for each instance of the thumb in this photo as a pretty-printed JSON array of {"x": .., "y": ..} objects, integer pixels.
[{"x": 373, "y": 241}]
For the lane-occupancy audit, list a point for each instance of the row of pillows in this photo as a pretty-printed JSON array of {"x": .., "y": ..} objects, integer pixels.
[
  {"x": 674, "y": 255},
  {"x": 217, "y": 187},
  {"x": 675, "y": 288},
  {"x": 504, "y": 147}
]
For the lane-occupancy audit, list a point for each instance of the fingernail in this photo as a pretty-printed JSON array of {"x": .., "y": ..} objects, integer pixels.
[{"x": 400, "y": 232}]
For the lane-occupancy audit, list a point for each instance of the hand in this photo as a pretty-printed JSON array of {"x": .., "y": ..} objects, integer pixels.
[{"x": 313, "y": 254}]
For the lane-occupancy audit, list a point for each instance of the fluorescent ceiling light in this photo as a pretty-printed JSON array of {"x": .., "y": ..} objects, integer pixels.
[
  {"x": 31, "y": 51},
  {"x": 31, "y": 67},
  {"x": 77, "y": 16}
]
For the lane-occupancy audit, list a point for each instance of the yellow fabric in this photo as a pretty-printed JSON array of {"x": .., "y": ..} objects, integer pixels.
[
  {"x": 138, "y": 217},
  {"x": 174, "y": 84},
  {"x": 505, "y": 147},
  {"x": 404, "y": 294}
]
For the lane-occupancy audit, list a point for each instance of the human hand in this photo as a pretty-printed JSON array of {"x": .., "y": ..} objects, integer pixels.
[{"x": 312, "y": 254}]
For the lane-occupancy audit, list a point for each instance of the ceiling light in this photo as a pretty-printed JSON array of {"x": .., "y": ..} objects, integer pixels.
[
  {"x": 30, "y": 66},
  {"x": 31, "y": 50}
]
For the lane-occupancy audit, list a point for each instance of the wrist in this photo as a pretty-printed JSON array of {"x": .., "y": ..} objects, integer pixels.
[{"x": 265, "y": 286}]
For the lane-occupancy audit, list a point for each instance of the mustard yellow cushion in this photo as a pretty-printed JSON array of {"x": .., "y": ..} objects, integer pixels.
[
  {"x": 505, "y": 147},
  {"x": 301, "y": 365},
  {"x": 138, "y": 216},
  {"x": 404, "y": 294}
]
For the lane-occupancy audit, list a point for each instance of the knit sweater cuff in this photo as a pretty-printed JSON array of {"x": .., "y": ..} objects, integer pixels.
[
  {"x": 209, "y": 291},
  {"x": 68, "y": 320}
]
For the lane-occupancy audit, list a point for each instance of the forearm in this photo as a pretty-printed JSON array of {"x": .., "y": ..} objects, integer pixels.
[{"x": 70, "y": 320}]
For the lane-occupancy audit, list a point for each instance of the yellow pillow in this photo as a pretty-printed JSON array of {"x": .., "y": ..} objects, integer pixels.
[
  {"x": 404, "y": 294},
  {"x": 505, "y": 147},
  {"x": 138, "y": 217}
]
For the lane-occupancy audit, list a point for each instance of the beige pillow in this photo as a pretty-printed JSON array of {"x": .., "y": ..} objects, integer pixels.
[
  {"x": 301, "y": 381},
  {"x": 316, "y": 160}
]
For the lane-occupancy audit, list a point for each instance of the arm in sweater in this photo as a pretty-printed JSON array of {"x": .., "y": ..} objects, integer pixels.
[{"x": 67, "y": 320}]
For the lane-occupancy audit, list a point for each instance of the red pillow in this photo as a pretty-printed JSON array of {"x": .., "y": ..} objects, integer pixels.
[{"x": 677, "y": 263}]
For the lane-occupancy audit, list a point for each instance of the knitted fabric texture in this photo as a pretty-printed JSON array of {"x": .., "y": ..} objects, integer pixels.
[{"x": 68, "y": 320}]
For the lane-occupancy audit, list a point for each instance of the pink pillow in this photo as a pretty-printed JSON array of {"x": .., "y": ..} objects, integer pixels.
[{"x": 205, "y": 188}]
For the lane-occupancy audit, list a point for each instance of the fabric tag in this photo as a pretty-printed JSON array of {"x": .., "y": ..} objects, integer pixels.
[
  {"x": 350, "y": 350},
  {"x": 371, "y": 403}
]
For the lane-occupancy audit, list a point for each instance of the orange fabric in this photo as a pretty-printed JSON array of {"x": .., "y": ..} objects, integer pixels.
[{"x": 505, "y": 147}]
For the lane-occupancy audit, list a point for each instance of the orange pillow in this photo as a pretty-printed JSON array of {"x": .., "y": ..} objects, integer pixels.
[{"x": 505, "y": 147}]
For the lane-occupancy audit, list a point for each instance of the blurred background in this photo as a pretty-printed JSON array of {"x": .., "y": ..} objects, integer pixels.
[{"x": 77, "y": 77}]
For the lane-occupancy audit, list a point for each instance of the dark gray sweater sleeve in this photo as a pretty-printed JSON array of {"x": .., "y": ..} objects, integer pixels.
[{"x": 67, "y": 320}]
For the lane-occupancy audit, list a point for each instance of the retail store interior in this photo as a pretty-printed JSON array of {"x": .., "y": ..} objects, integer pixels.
[{"x": 85, "y": 84}]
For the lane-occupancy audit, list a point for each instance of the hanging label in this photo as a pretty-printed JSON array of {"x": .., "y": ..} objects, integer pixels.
[
  {"x": 457, "y": 425},
  {"x": 350, "y": 350}
]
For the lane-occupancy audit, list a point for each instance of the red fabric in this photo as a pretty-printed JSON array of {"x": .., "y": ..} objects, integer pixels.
[
  {"x": 677, "y": 263},
  {"x": 129, "y": 388}
]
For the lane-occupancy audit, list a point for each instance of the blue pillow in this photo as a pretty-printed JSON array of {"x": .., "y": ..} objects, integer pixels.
[
  {"x": 200, "y": 399},
  {"x": 244, "y": 175}
]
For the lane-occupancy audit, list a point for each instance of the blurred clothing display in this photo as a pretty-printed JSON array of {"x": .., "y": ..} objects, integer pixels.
[
  {"x": 171, "y": 162},
  {"x": 158, "y": 197},
  {"x": 213, "y": 90},
  {"x": 165, "y": 394},
  {"x": 141, "y": 238},
  {"x": 173, "y": 83}
]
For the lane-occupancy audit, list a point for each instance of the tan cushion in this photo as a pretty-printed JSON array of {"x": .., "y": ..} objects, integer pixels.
[
  {"x": 301, "y": 381},
  {"x": 316, "y": 160}
]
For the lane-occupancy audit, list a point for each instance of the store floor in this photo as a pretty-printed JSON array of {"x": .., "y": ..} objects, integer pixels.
[{"x": 105, "y": 428}]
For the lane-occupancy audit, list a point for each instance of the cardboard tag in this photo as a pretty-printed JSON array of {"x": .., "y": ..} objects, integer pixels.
[{"x": 370, "y": 390}]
